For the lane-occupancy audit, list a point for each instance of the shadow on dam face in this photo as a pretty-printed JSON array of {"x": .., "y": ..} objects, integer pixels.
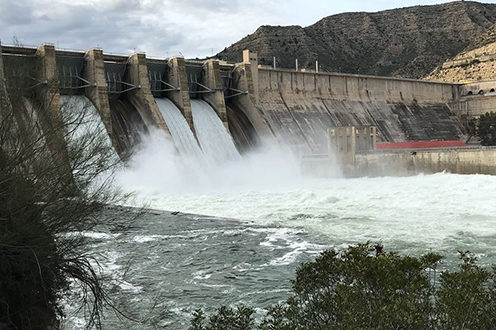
[
  {"x": 127, "y": 125},
  {"x": 244, "y": 135}
]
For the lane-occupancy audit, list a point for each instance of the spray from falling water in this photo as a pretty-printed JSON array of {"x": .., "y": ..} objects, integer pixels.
[
  {"x": 156, "y": 167},
  {"x": 218, "y": 168}
]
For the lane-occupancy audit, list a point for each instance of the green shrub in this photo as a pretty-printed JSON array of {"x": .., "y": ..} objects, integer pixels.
[
  {"x": 354, "y": 289},
  {"x": 486, "y": 129}
]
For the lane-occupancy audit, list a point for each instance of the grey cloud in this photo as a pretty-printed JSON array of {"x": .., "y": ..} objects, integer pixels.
[
  {"x": 16, "y": 13},
  {"x": 158, "y": 27}
]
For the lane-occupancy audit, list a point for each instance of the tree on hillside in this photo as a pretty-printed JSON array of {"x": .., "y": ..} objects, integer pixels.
[
  {"x": 486, "y": 129},
  {"x": 44, "y": 208}
]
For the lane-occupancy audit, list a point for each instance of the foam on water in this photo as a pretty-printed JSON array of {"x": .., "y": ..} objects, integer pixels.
[
  {"x": 179, "y": 264},
  {"x": 415, "y": 213}
]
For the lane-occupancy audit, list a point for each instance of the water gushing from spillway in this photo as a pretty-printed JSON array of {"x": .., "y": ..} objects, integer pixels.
[
  {"x": 156, "y": 168},
  {"x": 88, "y": 143},
  {"x": 216, "y": 143},
  {"x": 84, "y": 122},
  {"x": 184, "y": 139}
]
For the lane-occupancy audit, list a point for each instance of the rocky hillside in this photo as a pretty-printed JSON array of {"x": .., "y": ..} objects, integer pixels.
[
  {"x": 408, "y": 42},
  {"x": 484, "y": 39},
  {"x": 476, "y": 62}
]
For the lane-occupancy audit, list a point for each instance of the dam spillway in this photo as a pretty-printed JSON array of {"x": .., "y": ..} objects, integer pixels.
[
  {"x": 216, "y": 143},
  {"x": 181, "y": 133},
  {"x": 86, "y": 135},
  {"x": 82, "y": 118}
]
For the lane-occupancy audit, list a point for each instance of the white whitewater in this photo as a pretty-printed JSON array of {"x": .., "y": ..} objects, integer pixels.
[
  {"x": 216, "y": 143},
  {"x": 182, "y": 135}
]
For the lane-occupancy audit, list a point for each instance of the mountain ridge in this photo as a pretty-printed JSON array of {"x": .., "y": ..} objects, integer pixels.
[{"x": 407, "y": 42}]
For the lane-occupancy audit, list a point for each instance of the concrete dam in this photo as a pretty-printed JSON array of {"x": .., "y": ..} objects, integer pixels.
[{"x": 245, "y": 102}]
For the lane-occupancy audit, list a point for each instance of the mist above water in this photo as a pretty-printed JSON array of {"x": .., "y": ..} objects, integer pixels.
[{"x": 157, "y": 168}]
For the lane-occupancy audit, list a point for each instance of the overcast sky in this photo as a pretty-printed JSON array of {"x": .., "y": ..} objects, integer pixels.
[{"x": 162, "y": 28}]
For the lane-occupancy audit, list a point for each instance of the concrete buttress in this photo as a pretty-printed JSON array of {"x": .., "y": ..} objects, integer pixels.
[
  {"x": 49, "y": 110},
  {"x": 177, "y": 76},
  {"x": 242, "y": 74},
  {"x": 97, "y": 93},
  {"x": 212, "y": 80},
  {"x": 142, "y": 98}
]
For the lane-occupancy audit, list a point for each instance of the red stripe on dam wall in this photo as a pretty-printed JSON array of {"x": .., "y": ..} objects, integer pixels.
[{"x": 420, "y": 144}]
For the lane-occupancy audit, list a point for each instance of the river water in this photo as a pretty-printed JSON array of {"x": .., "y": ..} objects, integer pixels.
[{"x": 265, "y": 219}]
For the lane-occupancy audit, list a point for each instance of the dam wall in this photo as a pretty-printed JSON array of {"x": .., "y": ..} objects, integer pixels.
[
  {"x": 355, "y": 87},
  {"x": 477, "y": 160},
  {"x": 124, "y": 87},
  {"x": 404, "y": 162},
  {"x": 475, "y": 99},
  {"x": 301, "y": 106},
  {"x": 256, "y": 103}
]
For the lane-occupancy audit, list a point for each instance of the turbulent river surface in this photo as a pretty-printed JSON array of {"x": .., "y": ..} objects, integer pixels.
[{"x": 264, "y": 221}]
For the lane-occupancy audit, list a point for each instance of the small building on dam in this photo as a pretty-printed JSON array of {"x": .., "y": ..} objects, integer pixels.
[{"x": 254, "y": 104}]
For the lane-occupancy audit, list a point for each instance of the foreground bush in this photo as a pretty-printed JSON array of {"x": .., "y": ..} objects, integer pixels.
[
  {"x": 357, "y": 289},
  {"x": 48, "y": 194}
]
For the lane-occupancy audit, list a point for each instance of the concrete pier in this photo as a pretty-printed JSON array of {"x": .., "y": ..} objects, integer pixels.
[
  {"x": 49, "y": 110},
  {"x": 215, "y": 98},
  {"x": 244, "y": 74},
  {"x": 176, "y": 76},
  {"x": 97, "y": 91},
  {"x": 141, "y": 98}
]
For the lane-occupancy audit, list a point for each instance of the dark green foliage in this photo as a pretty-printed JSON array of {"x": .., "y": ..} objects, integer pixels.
[
  {"x": 358, "y": 289},
  {"x": 43, "y": 206},
  {"x": 471, "y": 127},
  {"x": 351, "y": 289},
  {"x": 486, "y": 129},
  {"x": 29, "y": 278},
  {"x": 467, "y": 298},
  {"x": 225, "y": 319}
]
